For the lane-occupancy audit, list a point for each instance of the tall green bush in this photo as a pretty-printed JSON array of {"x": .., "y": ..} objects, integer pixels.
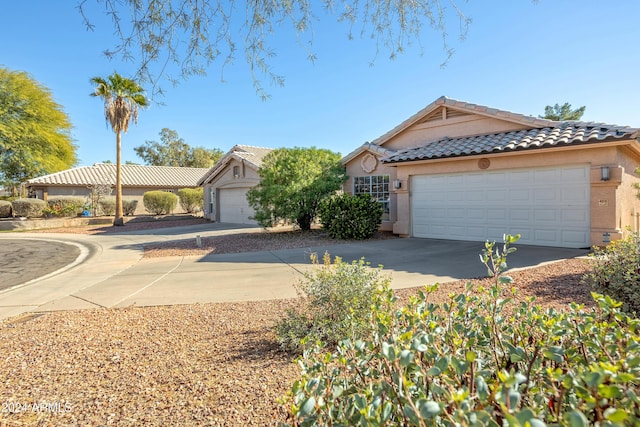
[
  {"x": 191, "y": 199},
  {"x": 479, "y": 359},
  {"x": 159, "y": 202},
  {"x": 5, "y": 209},
  {"x": 616, "y": 271},
  {"x": 29, "y": 208},
  {"x": 335, "y": 303},
  {"x": 351, "y": 217}
]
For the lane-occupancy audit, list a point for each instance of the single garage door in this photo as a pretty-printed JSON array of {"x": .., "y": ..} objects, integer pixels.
[
  {"x": 233, "y": 206},
  {"x": 546, "y": 206}
]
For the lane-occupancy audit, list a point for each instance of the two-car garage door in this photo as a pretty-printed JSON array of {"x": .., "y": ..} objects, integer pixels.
[{"x": 546, "y": 206}]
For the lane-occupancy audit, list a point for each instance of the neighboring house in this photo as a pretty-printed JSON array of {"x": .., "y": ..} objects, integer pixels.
[
  {"x": 227, "y": 182},
  {"x": 463, "y": 171},
  {"x": 136, "y": 180}
]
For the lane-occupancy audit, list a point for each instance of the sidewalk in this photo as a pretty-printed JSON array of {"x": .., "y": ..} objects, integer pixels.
[{"x": 114, "y": 274}]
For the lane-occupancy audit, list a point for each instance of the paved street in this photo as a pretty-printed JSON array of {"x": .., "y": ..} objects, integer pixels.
[{"x": 22, "y": 260}]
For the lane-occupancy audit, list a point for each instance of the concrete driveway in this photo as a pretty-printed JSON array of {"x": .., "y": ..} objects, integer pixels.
[{"x": 110, "y": 270}]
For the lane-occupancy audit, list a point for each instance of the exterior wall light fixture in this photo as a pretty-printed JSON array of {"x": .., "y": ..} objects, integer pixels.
[
  {"x": 605, "y": 173},
  {"x": 397, "y": 184}
]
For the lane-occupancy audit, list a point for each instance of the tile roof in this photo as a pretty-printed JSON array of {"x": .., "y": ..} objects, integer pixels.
[
  {"x": 252, "y": 156},
  {"x": 367, "y": 146},
  {"x": 561, "y": 134},
  {"x": 132, "y": 176}
]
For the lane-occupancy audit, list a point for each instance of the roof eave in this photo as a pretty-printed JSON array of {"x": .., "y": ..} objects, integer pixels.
[{"x": 577, "y": 145}]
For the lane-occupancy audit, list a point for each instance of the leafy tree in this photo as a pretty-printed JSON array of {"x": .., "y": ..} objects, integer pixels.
[
  {"x": 196, "y": 33},
  {"x": 293, "y": 183},
  {"x": 173, "y": 151},
  {"x": 35, "y": 136},
  {"x": 122, "y": 99},
  {"x": 562, "y": 112}
]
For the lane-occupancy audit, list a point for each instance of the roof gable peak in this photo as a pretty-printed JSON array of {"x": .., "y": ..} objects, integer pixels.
[{"x": 447, "y": 108}]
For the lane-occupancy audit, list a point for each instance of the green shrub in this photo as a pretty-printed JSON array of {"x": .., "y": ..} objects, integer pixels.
[
  {"x": 336, "y": 303},
  {"x": 64, "y": 206},
  {"x": 159, "y": 202},
  {"x": 29, "y": 208},
  {"x": 129, "y": 207},
  {"x": 480, "y": 359},
  {"x": 107, "y": 206},
  {"x": 5, "y": 209},
  {"x": 351, "y": 217},
  {"x": 616, "y": 272},
  {"x": 191, "y": 199}
]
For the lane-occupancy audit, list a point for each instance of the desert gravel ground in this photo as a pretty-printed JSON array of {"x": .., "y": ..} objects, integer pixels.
[{"x": 189, "y": 365}]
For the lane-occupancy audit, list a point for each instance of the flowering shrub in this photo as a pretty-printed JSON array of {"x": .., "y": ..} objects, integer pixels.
[{"x": 62, "y": 206}]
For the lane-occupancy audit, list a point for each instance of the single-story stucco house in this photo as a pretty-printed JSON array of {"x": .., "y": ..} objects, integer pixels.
[
  {"x": 227, "y": 182},
  {"x": 136, "y": 180},
  {"x": 463, "y": 171}
]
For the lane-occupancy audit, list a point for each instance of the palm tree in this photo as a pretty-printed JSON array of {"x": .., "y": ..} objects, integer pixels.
[{"x": 122, "y": 99}]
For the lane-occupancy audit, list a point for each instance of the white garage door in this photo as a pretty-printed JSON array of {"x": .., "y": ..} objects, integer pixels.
[
  {"x": 234, "y": 207},
  {"x": 546, "y": 206}
]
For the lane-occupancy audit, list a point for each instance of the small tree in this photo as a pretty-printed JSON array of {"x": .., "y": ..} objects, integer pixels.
[
  {"x": 97, "y": 193},
  {"x": 562, "y": 112},
  {"x": 293, "y": 182},
  {"x": 173, "y": 151}
]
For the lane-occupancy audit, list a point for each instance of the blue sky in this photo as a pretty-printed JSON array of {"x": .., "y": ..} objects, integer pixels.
[{"x": 518, "y": 56}]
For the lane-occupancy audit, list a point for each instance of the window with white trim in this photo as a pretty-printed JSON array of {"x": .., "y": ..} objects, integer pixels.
[{"x": 377, "y": 186}]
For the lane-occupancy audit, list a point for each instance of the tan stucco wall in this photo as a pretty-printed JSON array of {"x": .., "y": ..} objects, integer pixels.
[
  {"x": 611, "y": 202},
  {"x": 454, "y": 127},
  {"x": 248, "y": 177}
]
